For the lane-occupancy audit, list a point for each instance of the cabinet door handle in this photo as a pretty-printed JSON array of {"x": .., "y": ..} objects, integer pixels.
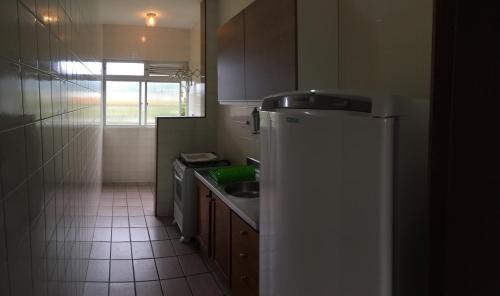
[
  {"x": 243, "y": 255},
  {"x": 243, "y": 277},
  {"x": 243, "y": 232}
]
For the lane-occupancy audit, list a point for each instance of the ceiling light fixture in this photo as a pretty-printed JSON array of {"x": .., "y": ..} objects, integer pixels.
[
  {"x": 151, "y": 19},
  {"x": 49, "y": 19},
  {"x": 143, "y": 39}
]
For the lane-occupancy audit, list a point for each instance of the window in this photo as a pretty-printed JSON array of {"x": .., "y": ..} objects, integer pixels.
[
  {"x": 130, "y": 69},
  {"x": 138, "y": 93},
  {"x": 122, "y": 102},
  {"x": 163, "y": 100}
]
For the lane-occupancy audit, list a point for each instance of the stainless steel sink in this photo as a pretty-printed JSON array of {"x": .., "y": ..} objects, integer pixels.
[{"x": 248, "y": 189}]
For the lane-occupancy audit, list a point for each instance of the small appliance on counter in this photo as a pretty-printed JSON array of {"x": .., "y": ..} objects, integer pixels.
[
  {"x": 184, "y": 188},
  {"x": 198, "y": 157}
]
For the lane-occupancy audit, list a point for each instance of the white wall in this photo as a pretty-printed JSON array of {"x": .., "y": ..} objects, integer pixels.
[
  {"x": 196, "y": 100},
  {"x": 386, "y": 46},
  {"x": 129, "y": 154},
  {"x": 318, "y": 53},
  {"x": 195, "y": 46},
  {"x": 236, "y": 140},
  {"x": 230, "y": 8},
  {"x": 189, "y": 134},
  {"x": 162, "y": 44}
]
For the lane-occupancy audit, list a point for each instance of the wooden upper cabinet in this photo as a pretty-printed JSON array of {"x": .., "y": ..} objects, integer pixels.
[
  {"x": 270, "y": 48},
  {"x": 231, "y": 59}
]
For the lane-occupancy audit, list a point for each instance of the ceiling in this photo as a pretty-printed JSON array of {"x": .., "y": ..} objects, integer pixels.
[{"x": 171, "y": 13}]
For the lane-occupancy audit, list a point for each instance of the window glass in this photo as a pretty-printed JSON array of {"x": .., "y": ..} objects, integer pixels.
[
  {"x": 134, "y": 98},
  {"x": 122, "y": 102},
  {"x": 164, "y": 100},
  {"x": 94, "y": 67},
  {"x": 130, "y": 69}
]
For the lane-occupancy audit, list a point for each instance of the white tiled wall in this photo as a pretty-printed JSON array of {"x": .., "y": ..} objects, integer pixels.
[
  {"x": 236, "y": 138},
  {"x": 129, "y": 154},
  {"x": 50, "y": 144}
]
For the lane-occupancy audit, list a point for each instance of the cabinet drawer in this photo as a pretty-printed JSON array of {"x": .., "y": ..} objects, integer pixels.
[
  {"x": 243, "y": 282},
  {"x": 244, "y": 237},
  {"x": 244, "y": 257}
]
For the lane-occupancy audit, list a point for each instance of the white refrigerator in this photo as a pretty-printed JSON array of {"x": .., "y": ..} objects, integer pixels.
[{"x": 343, "y": 195}]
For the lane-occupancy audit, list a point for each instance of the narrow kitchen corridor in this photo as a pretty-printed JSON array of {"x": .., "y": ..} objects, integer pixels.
[
  {"x": 135, "y": 253},
  {"x": 248, "y": 147}
]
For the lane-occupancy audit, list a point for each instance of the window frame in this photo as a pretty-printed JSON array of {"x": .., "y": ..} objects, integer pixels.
[
  {"x": 143, "y": 81},
  {"x": 106, "y": 62}
]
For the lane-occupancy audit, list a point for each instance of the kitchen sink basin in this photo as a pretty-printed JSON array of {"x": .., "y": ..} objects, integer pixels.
[{"x": 247, "y": 189}]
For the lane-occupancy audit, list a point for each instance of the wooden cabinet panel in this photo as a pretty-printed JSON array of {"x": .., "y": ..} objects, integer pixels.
[
  {"x": 231, "y": 243},
  {"x": 243, "y": 284},
  {"x": 231, "y": 60},
  {"x": 270, "y": 48},
  {"x": 244, "y": 258},
  {"x": 221, "y": 240},
  {"x": 204, "y": 203}
]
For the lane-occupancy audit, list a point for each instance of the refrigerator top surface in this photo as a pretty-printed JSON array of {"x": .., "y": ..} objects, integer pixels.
[{"x": 377, "y": 105}]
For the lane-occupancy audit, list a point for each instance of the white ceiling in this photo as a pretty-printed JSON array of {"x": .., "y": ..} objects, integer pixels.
[{"x": 171, "y": 13}]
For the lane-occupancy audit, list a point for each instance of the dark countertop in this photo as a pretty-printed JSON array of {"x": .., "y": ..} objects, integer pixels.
[{"x": 247, "y": 208}]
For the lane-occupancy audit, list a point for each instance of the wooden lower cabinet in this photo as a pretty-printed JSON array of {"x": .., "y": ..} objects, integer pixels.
[
  {"x": 244, "y": 258},
  {"x": 221, "y": 240},
  {"x": 231, "y": 244},
  {"x": 204, "y": 203}
]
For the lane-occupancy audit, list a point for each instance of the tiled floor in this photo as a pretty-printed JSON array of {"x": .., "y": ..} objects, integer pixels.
[{"x": 135, "y": 253}]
